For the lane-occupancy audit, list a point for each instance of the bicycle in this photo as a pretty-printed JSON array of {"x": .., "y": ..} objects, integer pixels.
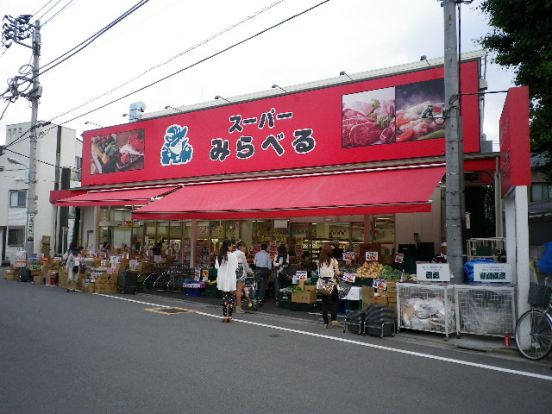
[{"x": 534, "y": 328}]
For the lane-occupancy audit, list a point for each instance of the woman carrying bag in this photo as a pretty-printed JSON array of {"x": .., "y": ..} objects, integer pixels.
[
  {"x": 226, "y": 265},
  {"x": 328, "y": 271}
]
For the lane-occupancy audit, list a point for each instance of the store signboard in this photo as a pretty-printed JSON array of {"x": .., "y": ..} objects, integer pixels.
[
  {"x": 398, "y": 116},
  {"x": 492, "y": 272},
  {"x": 399, "y": 258},
  {"x": 515, "y": 164},
  {"x": 348, "y": 277},
  {"x": 433, "y": 272}
]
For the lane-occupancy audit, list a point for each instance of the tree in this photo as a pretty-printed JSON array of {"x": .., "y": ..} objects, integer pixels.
[{"x": 521, "y": 38}]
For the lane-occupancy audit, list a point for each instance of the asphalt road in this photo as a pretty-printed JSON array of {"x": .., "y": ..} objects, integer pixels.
[{"x": 80, "y": 353}]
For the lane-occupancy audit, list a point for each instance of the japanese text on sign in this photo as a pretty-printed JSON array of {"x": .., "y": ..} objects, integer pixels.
[
  {"x": 372, "y": 256},
  {"x": 247, "y": 145}
]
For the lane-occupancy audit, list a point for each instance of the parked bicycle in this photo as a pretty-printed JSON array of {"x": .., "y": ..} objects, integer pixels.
[{"x": 534, "y": 327}]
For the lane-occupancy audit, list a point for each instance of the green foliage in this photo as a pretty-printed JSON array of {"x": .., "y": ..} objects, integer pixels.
[{"x": 521, "y": 38}]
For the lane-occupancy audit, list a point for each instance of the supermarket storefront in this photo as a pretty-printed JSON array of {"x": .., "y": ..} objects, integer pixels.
[{"x": 354, "y": 162}]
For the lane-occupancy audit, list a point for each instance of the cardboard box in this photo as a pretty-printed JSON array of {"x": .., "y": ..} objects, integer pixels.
[
  {"x": 10, "y": 274},
  {"x": 303, "y": 297},
  {"x": 309, "y": 288},
  {"x": 38, "y": 280}
]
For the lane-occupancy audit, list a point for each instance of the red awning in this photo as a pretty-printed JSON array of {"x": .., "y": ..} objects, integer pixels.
[
  {"x": 138, "y": 196},
  {"x": 375, "y": 192}
]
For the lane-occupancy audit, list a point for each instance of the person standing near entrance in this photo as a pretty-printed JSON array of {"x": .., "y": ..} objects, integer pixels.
[
  {"x": 226, "y": 265},
  {"x": 263, "y": 264},
  {"x": 328, "y": 268},
  {"x": 73, "y": 266},
  {"x": 281, "y": 261}
]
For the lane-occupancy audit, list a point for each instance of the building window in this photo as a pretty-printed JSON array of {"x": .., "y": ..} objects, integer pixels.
[
  {"x": 18, "y": 198},
  {"x": 541, "y": 192},
  {"x": 78, "y": 168},
  {"x": 16, "y": 236}
]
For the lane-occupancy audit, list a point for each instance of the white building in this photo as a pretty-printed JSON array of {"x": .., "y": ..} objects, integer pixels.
[{"x": 58, "y": 149}]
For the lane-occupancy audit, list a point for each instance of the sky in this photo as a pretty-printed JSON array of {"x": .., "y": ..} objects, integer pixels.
[{"x": 340, "y": 35}]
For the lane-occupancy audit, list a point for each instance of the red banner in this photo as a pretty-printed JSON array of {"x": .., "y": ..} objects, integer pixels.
[
  {"x": 394, "y": 117},
  {"x": 515, "y": 157}
]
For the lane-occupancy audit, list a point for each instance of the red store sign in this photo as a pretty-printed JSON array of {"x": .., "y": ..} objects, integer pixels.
[{"x": 393, "y": 117}]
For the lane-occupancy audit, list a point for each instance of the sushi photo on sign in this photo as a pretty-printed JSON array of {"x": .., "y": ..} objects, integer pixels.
[
  {"x": 123, "y": 151},
  {"x": 393, "y": 115}
]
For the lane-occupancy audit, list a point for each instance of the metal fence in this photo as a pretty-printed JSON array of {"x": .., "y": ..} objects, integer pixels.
[
  {"x": 485, "y": 310},
  {"x": 425, "y": 307}
]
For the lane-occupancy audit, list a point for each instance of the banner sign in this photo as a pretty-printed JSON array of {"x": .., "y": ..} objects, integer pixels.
[
  {"x": 301, "y": 275},
  {"x": 492, "y": 272},
  {"x": 432, "y": 272},
  {"x": 515, "y": 163},
  {"x": 393, "y": 117}
]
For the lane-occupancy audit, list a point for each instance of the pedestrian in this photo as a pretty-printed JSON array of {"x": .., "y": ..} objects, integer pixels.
[
  {"x": 442, "y": 256},
  {"x": 226, "y": 264},
  {"x": 263, "y": 264},
  {"x": 328, "y": 269},
  {"x": 281, "y": 261},
  {"x": 73, "y": 266},
  {"x": 241, "y": 273}
]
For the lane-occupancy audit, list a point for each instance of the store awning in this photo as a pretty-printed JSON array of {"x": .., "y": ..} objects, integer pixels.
[
  {"x": 375, "y": 192},
  {"x": 131, "y": 197}
]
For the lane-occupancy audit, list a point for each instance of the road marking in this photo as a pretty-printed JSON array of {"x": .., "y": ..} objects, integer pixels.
[{"x": 353, "y": 342}]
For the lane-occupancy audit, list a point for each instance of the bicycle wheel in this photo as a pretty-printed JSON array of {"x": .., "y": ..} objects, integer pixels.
[{"x": 534, "y": 334}]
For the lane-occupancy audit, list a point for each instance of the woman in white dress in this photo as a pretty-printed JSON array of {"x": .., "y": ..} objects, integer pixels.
[{"x": 226, "y": 264}]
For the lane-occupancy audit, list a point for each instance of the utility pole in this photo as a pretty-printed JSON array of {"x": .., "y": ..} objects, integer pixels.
[
  {"x": 454, "y": 193},
  {"x": 34, "y": 96}
]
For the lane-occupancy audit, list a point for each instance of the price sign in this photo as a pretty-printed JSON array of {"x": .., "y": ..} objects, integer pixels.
[
  {"x": 349, "y": 277},
  {"x": 372, "y": 256},
  {"x": 301, "y": 275},
  {"x": 348, "y": 256},
  {"x": 399, "y": 258},
  {"x": 433, "y": 272},
  {"x": 492, "y": 272},
  {"x": 197, "y": 273}
]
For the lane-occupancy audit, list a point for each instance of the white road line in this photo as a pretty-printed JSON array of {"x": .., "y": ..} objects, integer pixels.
[{"x": 353, "y": 342}]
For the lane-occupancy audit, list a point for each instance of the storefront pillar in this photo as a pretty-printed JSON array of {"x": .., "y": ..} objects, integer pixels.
[
  {"x": 368, "y": 228},
  {"x": 193, "y": 237},
  {"x": 96, "y": 245},
  {"x": 517, "y": 242},
  {"x": 499, "y": 217}
]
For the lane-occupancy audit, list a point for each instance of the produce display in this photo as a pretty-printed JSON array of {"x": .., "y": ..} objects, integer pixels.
[
  {"x": 389, "y": 273},
  {"x": 370, "y": 270},
  {"x": 117, "y": 152}
]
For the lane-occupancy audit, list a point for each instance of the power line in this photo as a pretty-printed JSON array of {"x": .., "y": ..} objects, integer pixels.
[
  {"x": 199, "y": 61},
  {"x": 42, "y": 162},
  {"x": 43, "y": 6},
  {"x": 58, "y": 12},
  {"x": 183, "y": 69},
  {"x": 85, "y": 43},
  {"x": 47, "y": 11},
  {"x": 5, "y": 109},
  {"x": 201, "y": 43}
]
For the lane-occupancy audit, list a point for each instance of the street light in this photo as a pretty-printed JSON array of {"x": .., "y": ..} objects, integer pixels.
[
  {"x": 343, "y": 73},
  {"x": 423, "y": 58},
  {"x": 93, "y": 123},
  {"x": 278, "y": 87},
  {"x": 220, "y": 97}
]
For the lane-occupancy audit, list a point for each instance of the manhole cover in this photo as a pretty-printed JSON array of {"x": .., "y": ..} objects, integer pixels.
[{"x": 167, "y": 311}]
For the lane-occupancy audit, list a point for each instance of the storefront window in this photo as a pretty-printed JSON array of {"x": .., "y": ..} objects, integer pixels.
[
  {"x": 149, "y": 240},
  {"x": 384, "y": 229}
]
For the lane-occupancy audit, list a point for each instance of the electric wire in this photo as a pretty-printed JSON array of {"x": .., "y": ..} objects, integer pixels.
[
  {"x": 45, "y": 5},
  {"x": 58, "y": 12},
  {"x": 5, "y": 109},
  {"x": 47, "y": 11},
  {"x": 292, "y": 17},
  {"x": 85, "y": 43},
  {"x": 189, "y": 49},
  {"x": 226, "y": 49},
  {"x": 38, "y": 160}
]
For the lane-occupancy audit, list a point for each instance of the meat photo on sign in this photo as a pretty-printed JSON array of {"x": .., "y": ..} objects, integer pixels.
[
  {"x": 123, "y": 151},
  {"x": 420, "y": 111},
  {"x": 368, "y": 118}
]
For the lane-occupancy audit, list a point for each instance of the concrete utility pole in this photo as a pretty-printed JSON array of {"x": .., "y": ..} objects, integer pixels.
[
  {"x": 454, "y": 193},
  {"x": 34, "y": 96}
]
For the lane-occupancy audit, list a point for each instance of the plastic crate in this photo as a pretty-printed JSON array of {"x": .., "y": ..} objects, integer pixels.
[{"x": 193, "y": 292}]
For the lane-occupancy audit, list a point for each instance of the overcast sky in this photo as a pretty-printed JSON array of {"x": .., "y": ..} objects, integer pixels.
[{"x": 350, "y": 35}]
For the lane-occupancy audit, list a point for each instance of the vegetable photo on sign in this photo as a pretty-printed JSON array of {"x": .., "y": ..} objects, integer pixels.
[{"x": 117, "y": 152}]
